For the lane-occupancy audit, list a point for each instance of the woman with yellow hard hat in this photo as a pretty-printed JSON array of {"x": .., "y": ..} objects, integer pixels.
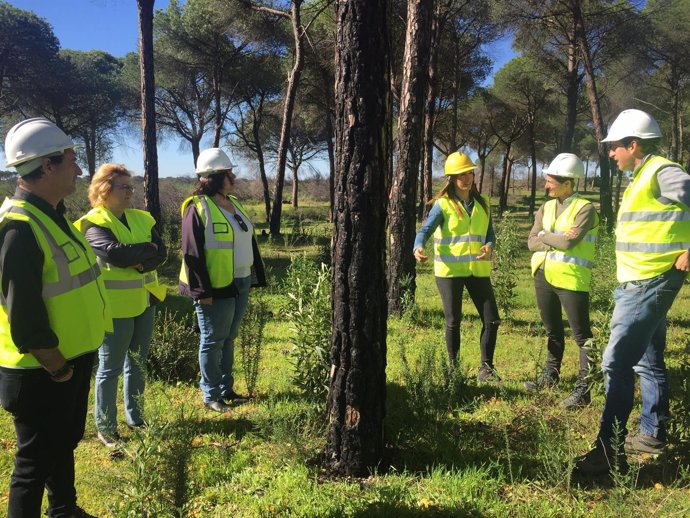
[{"x": 460, "y": 219}]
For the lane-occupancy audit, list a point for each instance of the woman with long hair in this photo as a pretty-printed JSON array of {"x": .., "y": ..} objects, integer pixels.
[
  {"x": 221, "y": 262},
  {"x": 460, "y": 219}
]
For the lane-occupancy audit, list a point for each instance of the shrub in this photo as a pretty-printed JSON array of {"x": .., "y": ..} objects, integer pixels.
[
  {"x": 508, "y": 245},
  {"x": 309, "y": 313},
  {"x": 251, "y": 338},
  {"x": 174, "y": 351}
]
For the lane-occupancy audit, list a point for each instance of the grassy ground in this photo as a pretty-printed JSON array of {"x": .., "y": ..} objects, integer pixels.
[{"x": 453, "y": 449}]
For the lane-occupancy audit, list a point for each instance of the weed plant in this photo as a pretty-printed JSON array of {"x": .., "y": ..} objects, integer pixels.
[
  {"x": 174, "y": 352},
  {"x": 251, "y": 339},
  {"x": 309, "y": 316},
  {"x": 153, "y": 483},
  {"x": 509, "y": 243},
  {"x": 433, "y": 388}
]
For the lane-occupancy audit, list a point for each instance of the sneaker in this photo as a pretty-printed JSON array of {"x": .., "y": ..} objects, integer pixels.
[
  {"x": 600, "y": 460},
  {"x": 218, "y": 406},
  {"x": 578, "y": 398},
  {"x": 643, "y": 443},
  {"x": 235, "y": 399},
  {"x": 80, "y": 513},
  {"x": 110, "y": 440},
  {"x": 487, "y": 374},
  {"x": 547, "y": 379}
]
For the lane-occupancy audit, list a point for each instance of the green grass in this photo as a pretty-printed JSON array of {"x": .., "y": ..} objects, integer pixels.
[{"x": 475, "y": 451}]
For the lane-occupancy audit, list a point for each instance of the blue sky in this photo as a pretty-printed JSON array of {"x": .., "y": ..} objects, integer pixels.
[{"x": 112, "y": 26}]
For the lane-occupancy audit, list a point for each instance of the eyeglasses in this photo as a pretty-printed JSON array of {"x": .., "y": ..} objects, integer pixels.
[
  {"x": 124, "y": 187},
  {"x": 241, "y": 222}
]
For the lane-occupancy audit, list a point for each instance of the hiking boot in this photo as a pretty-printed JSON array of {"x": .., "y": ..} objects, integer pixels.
[
  {"x": 546, "y": 380},
  {"x": 643, "y": 443},
  {"x": 578, "y": 398},
  {"x": 487, "y": 374},
  {"x": 80, "y": 513},
  {"x": 218, "y": 406},
  {"x": 601, "y": 460},
  {"x": 235, "y": 399}
]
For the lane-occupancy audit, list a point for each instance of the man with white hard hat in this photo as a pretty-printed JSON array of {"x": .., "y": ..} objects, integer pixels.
[
  {"x": 563, "y": 238},
  {"x": 53, "y": 317},
  {"x": 652, "y": 240}
]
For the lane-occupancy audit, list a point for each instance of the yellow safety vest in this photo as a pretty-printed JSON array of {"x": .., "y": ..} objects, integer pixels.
[
  {"x": 219, "y": 240},
  {"x": 650, "y": 232},
  {"x": 73, "y": 290},
  {"x": 458, "y": 241},
  {"x": 128, "y": 290},
  {"x": 567, "y": 269}
]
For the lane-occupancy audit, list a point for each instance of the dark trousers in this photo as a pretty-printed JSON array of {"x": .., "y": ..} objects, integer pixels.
[
  {"x": 482, "y": 295},
  {"x": 49, "y": 420},
  {"x": 550, "y": 299}
]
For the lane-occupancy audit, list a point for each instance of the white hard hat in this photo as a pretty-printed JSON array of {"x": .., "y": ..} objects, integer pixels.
[
  {"x": 30, "y": 141},
  {"x": 212, "y": 160},
  {"x": 633, "y": 123},
  {"x": 566, "y": 165}
]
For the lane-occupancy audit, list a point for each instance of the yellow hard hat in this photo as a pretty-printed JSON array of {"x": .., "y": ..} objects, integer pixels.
[{"x": 458, "y": 163}]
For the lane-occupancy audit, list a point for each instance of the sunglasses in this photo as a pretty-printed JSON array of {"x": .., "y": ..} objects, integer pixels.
[{"x": 241, "y": 223}]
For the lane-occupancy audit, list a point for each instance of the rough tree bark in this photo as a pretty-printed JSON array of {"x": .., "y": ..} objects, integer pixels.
[
  {"x": 401, "y": 209},
  {"x": 148, "y": 110},
  {"x": 437, "y": 24},
  {"x": 356, "y": 400},
  {"x": 606, "y": 208},
  {"x": 288, "y": 108}
]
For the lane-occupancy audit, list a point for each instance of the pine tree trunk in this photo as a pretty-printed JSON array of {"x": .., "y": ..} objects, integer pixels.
[
  {"x": 403, "y": 195},
  {"x": 606, "y": 209},
  {"x": 148, "y": 110},
  {"x": 289, "y": 106},
  {"x": 356, "y": 400},
  {"x": 430, "y": 115}
]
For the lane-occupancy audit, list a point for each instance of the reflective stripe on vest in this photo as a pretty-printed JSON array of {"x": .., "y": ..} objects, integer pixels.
[
  {"x": 62, "y": 259},
  {"x": 567, "y": 269},
  {"x": 73, "y": 291},
  {"x": 458, "y": 241},
  {"x": 128, "y": 289},
  {"x": 219, "y": 241},
  {"x": 650, "y": 232}
]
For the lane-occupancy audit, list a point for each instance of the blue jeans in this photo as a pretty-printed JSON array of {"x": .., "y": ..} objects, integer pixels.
[
  {"x": 636, "y": 345},
  {"x": 219, "y": 324},
  {"x": 127, "y": 347}
]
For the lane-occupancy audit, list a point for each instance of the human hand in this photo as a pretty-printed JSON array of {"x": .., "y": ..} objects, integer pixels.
[
  {"x": 486, "y": 252},
  {"x": 683, "y": 262},
  {"x": 205, "y": 301},
  {"x": 572, "y": 233},
  {"x": 419, "y": 255}
]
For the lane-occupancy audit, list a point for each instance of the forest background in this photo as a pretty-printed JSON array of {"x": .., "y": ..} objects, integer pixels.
[{"x": 260, "y": 79}]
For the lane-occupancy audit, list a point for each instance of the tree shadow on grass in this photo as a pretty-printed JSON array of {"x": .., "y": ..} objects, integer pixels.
[
  {"x": 221, "y": 425},
  {"x": 399, "y": 510}
]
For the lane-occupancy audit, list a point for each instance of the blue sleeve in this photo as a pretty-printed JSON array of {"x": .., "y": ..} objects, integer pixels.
[
  {"x": 434, "y": 219},
  {"x": 490, "y": 234}
]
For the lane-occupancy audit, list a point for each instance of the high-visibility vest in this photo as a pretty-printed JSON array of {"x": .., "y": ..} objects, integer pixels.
[
  {"x": 458, "y": 241},
  {"x": 73, "y": 291},
  {"x": 567, "y": 269},
  {"x": 651, "y": 232},
  {"x": 128, "y": 290},
  {"x": 219, "y": 242}
]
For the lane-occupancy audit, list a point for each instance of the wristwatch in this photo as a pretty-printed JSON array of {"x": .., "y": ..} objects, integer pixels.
[{"x": 60, "y": 374}]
